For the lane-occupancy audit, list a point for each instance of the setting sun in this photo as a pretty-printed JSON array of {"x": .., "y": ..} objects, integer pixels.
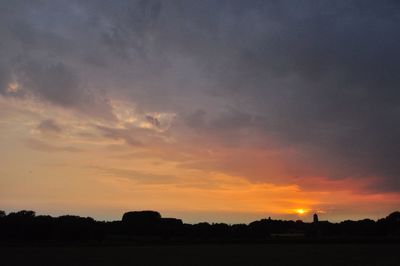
[{"x": 301, "y": 211}]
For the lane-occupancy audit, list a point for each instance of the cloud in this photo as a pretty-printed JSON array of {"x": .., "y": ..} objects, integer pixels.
[
  {"x": 153, "y": 121},
  {"x": 46, "y": 147},
  {"x": 37, "y": 58},
  {"x": 49, "y": 126},
  {"x": 320, "y": 77},
  {"x": 59, "y": 84},
  {"x": 138, "y": 176},
  {"x": 119, "y": 134}
]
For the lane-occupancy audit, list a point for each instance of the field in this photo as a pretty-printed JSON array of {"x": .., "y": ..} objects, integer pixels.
[{"x": 267, "y": 254}]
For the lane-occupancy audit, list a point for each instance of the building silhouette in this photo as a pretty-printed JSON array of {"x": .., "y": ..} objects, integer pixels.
[{"x": 315, "y": 218}]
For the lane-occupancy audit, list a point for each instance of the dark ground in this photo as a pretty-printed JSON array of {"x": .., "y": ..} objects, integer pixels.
[{"x": 250, "y": 254}]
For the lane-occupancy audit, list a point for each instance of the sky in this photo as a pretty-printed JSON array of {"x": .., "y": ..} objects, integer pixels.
[{"x": 218, "y": 111}]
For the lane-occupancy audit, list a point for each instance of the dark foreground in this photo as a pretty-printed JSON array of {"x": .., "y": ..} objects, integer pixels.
[{"x": 246, "y": 254}]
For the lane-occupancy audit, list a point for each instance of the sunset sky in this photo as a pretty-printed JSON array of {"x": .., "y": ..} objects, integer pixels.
[{"x": 219, "y": 111}]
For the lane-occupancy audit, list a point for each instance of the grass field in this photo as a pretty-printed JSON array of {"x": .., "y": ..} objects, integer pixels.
[{"x": 271, "y": 254}]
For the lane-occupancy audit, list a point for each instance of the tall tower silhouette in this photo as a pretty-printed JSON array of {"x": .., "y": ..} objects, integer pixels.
[{"x": 315, "y": 218}]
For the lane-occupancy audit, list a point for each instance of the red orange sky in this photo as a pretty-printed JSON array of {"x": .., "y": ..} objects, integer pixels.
[{"x": 221, "y": 111}]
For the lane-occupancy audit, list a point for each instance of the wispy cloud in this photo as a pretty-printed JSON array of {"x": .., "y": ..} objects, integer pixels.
[
  {"x": 49, "y": 126},
  {"x": 141, "y": 177},
  {"x": 46, "y": 147}
]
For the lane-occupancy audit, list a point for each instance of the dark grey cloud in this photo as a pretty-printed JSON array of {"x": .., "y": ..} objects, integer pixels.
[
  {"x": 322, "y": 77},
  {"x": 56, "y": 83},
  {"x": 60, "y": 84},
  {"x": 39, "y": 52},
  {"x": 317, "y": 76},
  {"x": 329, "y": 87},
  {"x": 325, "y": 81}
]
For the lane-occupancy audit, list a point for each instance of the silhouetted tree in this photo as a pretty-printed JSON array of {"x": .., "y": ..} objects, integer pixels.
[
  {"x": 141, "y": 216},
  {"x": 22, "y": 215},
  {"x": 141, "y": 222},
  {"x": 220, "y": 230},
  {"x": 261, "y": 229},
  {"x": 149, "y": 225},
  {"x": 391, "y": 224},
  {"x": 239, "y": 230},
  {"x": 75, "y": 228},
  {"x": 171, "y": 227},
  {"x": 201, "y": 230},
  {"x": 393, "y": 217},
  {"x": 19, "y": 224}
]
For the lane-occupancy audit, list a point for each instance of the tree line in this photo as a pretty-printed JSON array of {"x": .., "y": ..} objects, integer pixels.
[{"x": 149, "y": 226}]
